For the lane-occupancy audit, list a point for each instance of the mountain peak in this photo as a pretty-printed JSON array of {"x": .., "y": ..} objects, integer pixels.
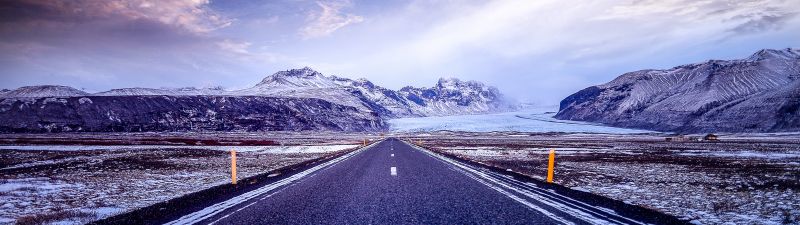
[
  {"x": 44, "y": 91},
  {"x": 446, "y": 82},
  {"x": 302, "y": 72},
  {"x": 292, "y": 76},
  {"x": 298, "y": 78},
  {"x": 455, "y": 83},
  {"x": 787, "y": 53}
]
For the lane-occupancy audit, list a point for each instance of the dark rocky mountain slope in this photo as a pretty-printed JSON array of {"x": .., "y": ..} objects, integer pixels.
[
  {"x": 760, "y": 93},
  {"x": 180, "y": 113}
]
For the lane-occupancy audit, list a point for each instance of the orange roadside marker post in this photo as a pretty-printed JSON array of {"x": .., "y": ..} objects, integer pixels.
[
  {"x": 550, "y": 165},
  {"x": 233, "y": 166}
]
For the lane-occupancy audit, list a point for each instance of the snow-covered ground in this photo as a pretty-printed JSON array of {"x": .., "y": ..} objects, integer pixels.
[
  {"x": 75, "y": 184},
  {"x": 529, "y": 120}
]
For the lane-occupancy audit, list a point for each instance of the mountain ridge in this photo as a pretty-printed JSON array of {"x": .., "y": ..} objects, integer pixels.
[
  {"x": 360, "y": 93},
  {"x": 710, "y": 96},
  {"x": 180, "y": 114},
  {"x": 302, "y": 99}
]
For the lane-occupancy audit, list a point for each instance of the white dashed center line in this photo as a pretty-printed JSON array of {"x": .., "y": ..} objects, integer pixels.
[
  {"x": 392, "y": 155},
  {"x": 394, "y": 171}
]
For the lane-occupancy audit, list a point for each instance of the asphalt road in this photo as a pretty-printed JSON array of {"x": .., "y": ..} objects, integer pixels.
[{"x": 423, "y": 188}]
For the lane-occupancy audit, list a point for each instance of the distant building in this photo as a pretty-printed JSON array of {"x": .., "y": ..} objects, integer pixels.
[
  {"x": 681, "y": 138},
  {"x": 711, "y": 137}
]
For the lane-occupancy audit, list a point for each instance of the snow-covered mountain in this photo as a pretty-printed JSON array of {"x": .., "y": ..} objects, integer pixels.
[
  {"x": 305, "y": 83},
  {"x": 345, "y": 104},
  {"x": 43, "y": 91},
  {"x": 451, "y": 96},
  {"x": 448, "y": 97},
  {"x": 162, "y": 91},
  {"x": 758, "y": 93}
]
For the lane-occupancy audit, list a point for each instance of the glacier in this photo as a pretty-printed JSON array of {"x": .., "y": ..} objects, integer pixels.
[{"x": 534, "y": 119}]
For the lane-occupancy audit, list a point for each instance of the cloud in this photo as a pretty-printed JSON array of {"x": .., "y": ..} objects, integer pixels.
[
  {"x": 244, "y": 52},
  {"x": 517, "y": 42},
  {"x": 552, "y": 28},
  {"x": 738, "y": 17},
  {"x": 527, "y": 47},
  {"x": 106, "y": 41},
  {"x": 234, "y": 47},
  {"x": 190, "y": 15},
  {"x": 89, "y": 25},
  {"x": 329, "y": 19},
  {"x": 762, "y": 21}
]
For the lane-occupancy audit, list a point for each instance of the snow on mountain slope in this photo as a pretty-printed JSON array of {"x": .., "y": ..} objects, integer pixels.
[
  {"x": 448, "y": 97},
  {"x": 297, "y": 78},
  {"x": 134, "y": 92},
  {"x": 163, "y": 91},
  {"x": 452, "y": 96},
  {"x": 708, "y": 96},
  {"x": 386, "y": 99},
  {"x": 304, "y": 83},
  {"x": 43, "y": 91}
]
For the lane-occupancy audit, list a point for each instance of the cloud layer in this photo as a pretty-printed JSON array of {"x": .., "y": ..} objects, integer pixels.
[
  {"x": 328, "y": 19},
  {"x": 190, "y": 15},
  {"x": 537, "y": 50}
]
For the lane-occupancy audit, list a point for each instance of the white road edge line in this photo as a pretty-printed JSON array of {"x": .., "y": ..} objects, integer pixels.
[
  {"x": 475, "y": 174},
  {"x": 215, "y": 209},
  {"x": 544, "y": 195},
  {"x": 464, "y": 170}
]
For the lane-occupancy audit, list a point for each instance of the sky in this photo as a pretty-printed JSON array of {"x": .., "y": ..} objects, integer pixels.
[{"x": 533, "y": 51}]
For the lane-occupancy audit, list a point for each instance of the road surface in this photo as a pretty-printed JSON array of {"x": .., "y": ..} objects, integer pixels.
[{"x": 392, "y": 182}]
